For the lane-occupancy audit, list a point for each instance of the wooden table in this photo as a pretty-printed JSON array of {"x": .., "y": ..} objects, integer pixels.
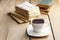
[
  {"x": 54, "y": 16},
  {"x": 10, "y": 30}
]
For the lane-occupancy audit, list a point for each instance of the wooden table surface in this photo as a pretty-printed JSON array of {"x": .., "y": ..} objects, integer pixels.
[
  {"x": 10, "y": 30},
  {"x": 54, "y": 16}
]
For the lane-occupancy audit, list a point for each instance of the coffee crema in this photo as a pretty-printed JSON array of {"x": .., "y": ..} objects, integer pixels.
[{"x": 38, "y": 21}]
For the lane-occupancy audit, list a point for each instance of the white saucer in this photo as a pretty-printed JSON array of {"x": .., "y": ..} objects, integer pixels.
[{"x": 44, "y": 31}]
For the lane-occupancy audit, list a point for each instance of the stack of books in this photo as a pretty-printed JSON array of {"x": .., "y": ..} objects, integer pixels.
[
  {"x": 43, "y": 8},
  {"x": 24, "y": 12},
  {"x": 18, "y": 18}
]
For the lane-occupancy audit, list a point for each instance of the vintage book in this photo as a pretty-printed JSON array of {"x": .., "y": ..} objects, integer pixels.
[
  {"x": 23, "y": 14},
  {"x": 44, "y": 11},
  {"x": 22, "y": 11},
  {"x": 17, "y": 16},
  {"x": 41, "y": 6},
  {"x": 28, "y": 9},
  {"x": 20, "y": 17},
  {"x": 15, "y": 19}
]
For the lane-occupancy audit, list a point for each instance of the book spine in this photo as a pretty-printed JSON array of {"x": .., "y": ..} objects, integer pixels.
[
  {"x": 23, "y": 14},
  {"x": 22, "y": 11},
  {"x": 41, "y": 6}
]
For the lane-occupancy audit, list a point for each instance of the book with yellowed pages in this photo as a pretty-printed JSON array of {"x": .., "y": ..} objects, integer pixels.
[
  {"x": 15, "y": 19},
  {"x": 27, "y": 8},
  {"x": 18, "y": 18}
]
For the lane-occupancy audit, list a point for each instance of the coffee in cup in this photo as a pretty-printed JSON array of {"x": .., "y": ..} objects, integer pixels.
[{"x": 37, "y": 24}]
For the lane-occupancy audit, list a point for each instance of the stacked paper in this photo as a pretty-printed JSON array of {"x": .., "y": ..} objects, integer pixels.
[
  {"x": 24, "y": 12},
  {"x": 29, "y": 9}
]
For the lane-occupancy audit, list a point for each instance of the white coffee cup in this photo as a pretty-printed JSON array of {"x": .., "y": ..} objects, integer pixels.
[{"x": 37, "y": 24}]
